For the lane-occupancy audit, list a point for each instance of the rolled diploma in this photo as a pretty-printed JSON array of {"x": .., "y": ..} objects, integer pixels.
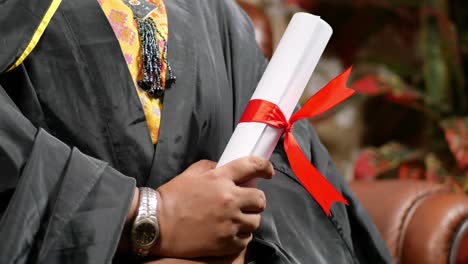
[{"x": 283, "y": 83}]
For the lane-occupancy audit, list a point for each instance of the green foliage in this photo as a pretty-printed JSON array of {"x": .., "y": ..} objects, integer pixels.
[{"x": 412, "y": 53}]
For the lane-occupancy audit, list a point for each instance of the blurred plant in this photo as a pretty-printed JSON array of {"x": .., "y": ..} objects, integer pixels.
[
  {"x": 417, "y": 68},
  {"x": 408, "y": 58}
]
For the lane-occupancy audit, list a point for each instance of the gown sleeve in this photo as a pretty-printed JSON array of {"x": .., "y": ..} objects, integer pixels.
[{"x": 56, "y": 204}]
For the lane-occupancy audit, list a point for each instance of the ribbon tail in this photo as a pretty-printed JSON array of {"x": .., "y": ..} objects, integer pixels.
[
  {"x": 316, "y": 184},
  {"x": 328, "y": 97}
]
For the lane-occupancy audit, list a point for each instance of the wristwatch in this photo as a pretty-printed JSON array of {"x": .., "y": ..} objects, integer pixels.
[{"x": 145, "y": 229}]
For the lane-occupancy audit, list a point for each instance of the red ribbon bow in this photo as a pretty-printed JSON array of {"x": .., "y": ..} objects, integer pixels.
[{"x": 266, "y": 112}]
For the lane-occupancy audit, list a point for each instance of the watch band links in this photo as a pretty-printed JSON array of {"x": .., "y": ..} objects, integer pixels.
[{"x": 145, "y": 229}]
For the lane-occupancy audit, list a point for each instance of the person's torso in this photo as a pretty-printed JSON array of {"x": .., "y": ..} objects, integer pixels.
[{"x": 77, "y": 86}]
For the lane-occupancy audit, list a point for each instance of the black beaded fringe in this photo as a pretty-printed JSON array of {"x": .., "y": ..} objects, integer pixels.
[{"x": 152, "y": 64}]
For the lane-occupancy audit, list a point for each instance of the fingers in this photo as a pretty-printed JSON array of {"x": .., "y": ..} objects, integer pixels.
[
  {"x": 247, "y": 168},
  {"x": 248, "y": 224},
  {"x": 252, "y": 203},
  {"x": 251, "y": 200},
  {"x": 240, "y": 243}
]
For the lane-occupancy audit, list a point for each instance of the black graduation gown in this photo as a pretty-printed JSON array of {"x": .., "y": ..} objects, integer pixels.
[{"x": 74, "y": 139}]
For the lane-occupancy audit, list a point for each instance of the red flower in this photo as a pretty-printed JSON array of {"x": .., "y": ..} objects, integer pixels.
[
  {"x": 411, "y": 170},
  {"x": 365, "y": 167}
]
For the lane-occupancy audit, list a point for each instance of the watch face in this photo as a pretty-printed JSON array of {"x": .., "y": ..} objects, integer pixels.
[{"x": 145, "y": 233}]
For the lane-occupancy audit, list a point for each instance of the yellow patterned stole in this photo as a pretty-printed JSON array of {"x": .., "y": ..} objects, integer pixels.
[{"x": 120, "y": 17}]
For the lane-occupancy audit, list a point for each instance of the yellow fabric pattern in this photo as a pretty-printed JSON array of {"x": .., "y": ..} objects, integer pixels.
[
  {"x": 120, "y": 17},
  {"x": 38, "y": 33}
]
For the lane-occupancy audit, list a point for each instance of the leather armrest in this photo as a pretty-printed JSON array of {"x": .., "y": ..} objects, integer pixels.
[{"x": 422, "y": 222}]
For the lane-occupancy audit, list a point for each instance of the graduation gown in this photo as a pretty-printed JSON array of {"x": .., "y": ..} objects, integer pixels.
[{"x": 74, "y": 140}]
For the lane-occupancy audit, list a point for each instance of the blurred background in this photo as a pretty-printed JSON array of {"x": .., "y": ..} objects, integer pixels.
[{"x": 410, "y": 117}]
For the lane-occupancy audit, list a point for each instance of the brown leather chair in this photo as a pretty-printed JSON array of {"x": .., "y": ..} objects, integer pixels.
[{"x": 422, "y": 222}]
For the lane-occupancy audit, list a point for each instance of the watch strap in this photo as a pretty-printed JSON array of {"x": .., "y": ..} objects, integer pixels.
[{"x": 147, "y": 212}]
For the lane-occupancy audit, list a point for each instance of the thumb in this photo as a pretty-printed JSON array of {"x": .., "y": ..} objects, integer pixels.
[{"x": 247, "y": 168}]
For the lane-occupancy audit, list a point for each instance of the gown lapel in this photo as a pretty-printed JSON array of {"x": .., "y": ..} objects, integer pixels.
[
  {"x": 112, "y": 83},
  {"x": 162, "y": 162},
  {"x": 177, "y": 121}
]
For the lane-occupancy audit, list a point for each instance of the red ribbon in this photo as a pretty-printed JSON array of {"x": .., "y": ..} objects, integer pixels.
[{"x": 266, "y": 112}]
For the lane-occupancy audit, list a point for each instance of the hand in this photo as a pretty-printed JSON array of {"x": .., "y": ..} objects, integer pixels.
[{"x": 203, "y": 212}]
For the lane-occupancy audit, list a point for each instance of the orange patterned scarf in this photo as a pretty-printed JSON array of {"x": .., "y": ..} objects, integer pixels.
[{"x": 120, "y": 17}]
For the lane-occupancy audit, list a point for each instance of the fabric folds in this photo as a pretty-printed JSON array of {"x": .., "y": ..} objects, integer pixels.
[{"x": 62, "y": 201}]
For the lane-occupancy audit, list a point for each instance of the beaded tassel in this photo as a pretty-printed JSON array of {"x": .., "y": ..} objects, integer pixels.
[
  {"x": 150, "y": 54},
  {"x": 170, "y": 75}
]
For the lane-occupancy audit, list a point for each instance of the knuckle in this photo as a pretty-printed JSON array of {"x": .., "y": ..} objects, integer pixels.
[
  {"x": 271, "y": 169},
  {"x": 257, "y": 164},
  {"x": 206, "y": 164},
  {"x": 254, "y": 223},
  {"x": 226, "y": 233},
  {"x": 212, "y": 175},
  {"x": 227, "y": 200},
  {"x": 261, "y": 200}
]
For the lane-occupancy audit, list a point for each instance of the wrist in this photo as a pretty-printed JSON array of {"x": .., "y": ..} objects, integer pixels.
[
  {"x": 144, "y": 232},
  {"x": 157, "y": 250}
]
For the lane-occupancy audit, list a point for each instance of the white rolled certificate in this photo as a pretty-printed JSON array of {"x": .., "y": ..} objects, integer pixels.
[{"x": 283, "y": 83}]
